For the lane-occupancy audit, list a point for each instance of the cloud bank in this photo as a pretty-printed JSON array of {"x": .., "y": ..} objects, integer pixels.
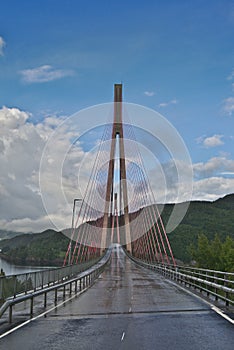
[
  {"x": 229, "y": 106},
  {"x": 21, "y": 147},
  {"x": 44, "y": 74},
  {"x": 149, "y": 93},
  {"x": 228, "y": 103},
  {"x": 211, "y": 141},
  {"x": 2, "y": 44},
  {"x": 165, "y": 104}
]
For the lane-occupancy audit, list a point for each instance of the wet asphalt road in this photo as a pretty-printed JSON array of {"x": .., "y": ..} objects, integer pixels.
[{"x": 129, "y": 307}]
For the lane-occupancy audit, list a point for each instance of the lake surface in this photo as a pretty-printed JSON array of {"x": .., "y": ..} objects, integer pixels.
[{"x": 11, "y": 269}]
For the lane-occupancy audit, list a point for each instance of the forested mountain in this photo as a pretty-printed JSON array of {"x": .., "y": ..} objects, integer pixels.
[
  {"x": 202, "y": 218},
  {"x": 208, "y": 218},
  {"x": 45, "y": 248},
  {"x": 4, "y": 234}
]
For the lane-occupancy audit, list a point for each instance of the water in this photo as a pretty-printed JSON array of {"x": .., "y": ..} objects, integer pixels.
[{"x": 11, "y": 269}]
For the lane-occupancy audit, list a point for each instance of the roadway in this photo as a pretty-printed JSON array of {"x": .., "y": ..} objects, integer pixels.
[{"x": 128, "y": 307}]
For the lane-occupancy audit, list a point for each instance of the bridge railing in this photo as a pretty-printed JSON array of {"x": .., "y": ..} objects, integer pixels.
[
  {"x": 218, "y": 285},
  {"x": 74, "y": 282},
  {"x": 18, "y": 284}
]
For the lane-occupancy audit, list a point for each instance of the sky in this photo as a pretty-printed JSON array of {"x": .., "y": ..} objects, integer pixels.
[{"x": 60, "y": 57}]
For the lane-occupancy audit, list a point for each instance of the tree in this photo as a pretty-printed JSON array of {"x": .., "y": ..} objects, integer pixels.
[
  {"x": 214, "y": 254},
  {"x": 216, "y": 249},
  {"x": 227, "y": 254}
]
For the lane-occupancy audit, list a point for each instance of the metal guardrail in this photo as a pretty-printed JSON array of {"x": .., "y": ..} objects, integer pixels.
[
  {"x": 79, "y": 282},
  {"x": 13, "y": 285},
  {"x": 214, "y": 283}
]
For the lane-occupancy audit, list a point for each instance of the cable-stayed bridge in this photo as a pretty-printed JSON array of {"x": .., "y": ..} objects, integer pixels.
[
  {"x": 120, "y": 286},
  {"x": 108, "y": 213}
]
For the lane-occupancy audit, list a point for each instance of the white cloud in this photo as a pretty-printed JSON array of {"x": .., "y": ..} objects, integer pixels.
[
  {"x": 212, "y": 188},
  {"x": 12, "y": 118},
  {"x": 231, "y": 76},
  {"x": 212, "y": 141},
  {"x": 44, "y": 74},
  {"x": 2, "y": 44},
  {"x": 149, "y": 93},
  {"x": 228, "y": 103},
  {"x": 228, "y": 107},
  {"x": 30, "y": 225},
  {"x": 231, "y": 173},
  {"x": 213, "y": 166},
  {"x": 212, "y": 179},
  {"x": 21, "y": 149},
  {"x": 165, "y": 104}
]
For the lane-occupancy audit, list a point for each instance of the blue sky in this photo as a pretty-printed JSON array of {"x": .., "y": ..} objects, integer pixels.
[
  {"x": 181, "y": 50},
  {"x": 176, "y": 57}
]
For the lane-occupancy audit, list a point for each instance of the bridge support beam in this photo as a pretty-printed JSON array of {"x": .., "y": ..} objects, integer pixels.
[{"x": 117, "y": 137}]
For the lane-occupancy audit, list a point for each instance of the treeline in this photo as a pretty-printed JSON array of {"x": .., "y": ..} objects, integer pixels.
[
  {"x": 202, "y": 218},
  {"x": 194, "y": 239},
  {"x": 46, "y": 248},
  {"x": 213, "y": 254},
  {"x": 12, "y": 285}
]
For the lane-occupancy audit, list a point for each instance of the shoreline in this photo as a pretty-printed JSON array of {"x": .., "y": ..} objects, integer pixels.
[{"x": 31, "y": 262}]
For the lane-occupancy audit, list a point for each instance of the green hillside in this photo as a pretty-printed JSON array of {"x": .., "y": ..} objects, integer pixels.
[
  {"x": 46, "y": 248},
  {"x": 4, "y": 234},
  {"x": 208, "y": 218}
]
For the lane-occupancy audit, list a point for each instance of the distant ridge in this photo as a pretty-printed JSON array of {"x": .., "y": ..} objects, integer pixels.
[
  {"x": 49, "y": 246},
  {"x": 226, "y": 201},
  {"x": 45, "y": 248},
  {"x": 205, "y": 217}
]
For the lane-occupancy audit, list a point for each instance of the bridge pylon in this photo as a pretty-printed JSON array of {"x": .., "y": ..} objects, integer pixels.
[{"x": 117, "y": 141}]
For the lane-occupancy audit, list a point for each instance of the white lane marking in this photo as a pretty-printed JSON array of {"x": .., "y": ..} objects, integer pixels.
[
  {"x": 212, "y": 306},
  {"x": 14, "y": 329},
  {"x": 39, "y": 316},
  {"x": 221, "y": 313},
  {"x": 123, "y": 335}
]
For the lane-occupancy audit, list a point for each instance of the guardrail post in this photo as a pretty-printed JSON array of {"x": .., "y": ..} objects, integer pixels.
[
  {"x": 42, "y": 280},
  {"x": 227, "y": 296},
  {"x": 1, "y": 288},
  {"x": 216, "y": 289},
  {"x": 35, "y": 281},
  {"x": 15, "y": 292},
  {"x": 45, "y": 300},
  {"x": 25, "y": 284},
  {"x": 55, "y": 296},
  {"x": 77, "y": 286},
  {"x": 216, "y": 294},
  {"x": 10, "y": 313},
  {"x": 31, "y": 307},
  {"x": 64, "y": 292}
]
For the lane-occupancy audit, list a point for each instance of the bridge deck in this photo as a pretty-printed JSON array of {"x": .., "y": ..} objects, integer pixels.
[{"x": 127, "y": 308}]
